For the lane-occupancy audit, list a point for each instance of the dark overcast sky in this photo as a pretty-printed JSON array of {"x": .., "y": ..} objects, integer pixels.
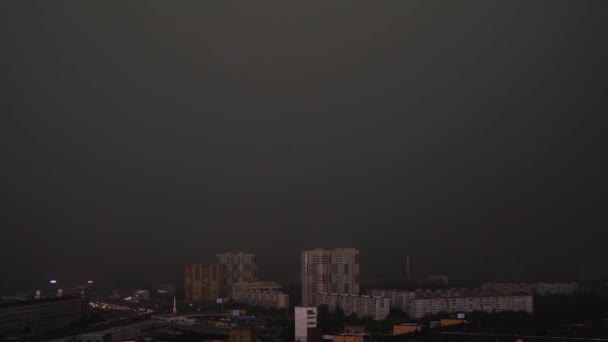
[{"x": 137, "y": 136}]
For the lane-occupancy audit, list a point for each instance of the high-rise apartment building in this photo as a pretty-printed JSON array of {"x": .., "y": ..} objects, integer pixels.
[
  {"x": 203, "y": 282},
  {"x": 237, "y": 268},
  {"x": 329, "y": 271}
]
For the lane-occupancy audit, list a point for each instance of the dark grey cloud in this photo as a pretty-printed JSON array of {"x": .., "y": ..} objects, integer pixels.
[{"x": 138, "y": 136}]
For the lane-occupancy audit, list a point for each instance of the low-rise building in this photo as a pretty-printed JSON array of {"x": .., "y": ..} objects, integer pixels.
[
  {"x": 265, "y": 294},
  {"x": 406, "y": 328},
  {"x": 375, "y": 306}
]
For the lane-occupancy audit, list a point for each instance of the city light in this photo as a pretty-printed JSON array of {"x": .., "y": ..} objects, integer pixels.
[
  {"x": 53, "y": 281},
  {"x": 90, "y": 282}
]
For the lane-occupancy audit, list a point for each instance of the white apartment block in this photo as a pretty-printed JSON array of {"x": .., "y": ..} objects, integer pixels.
[
  {"x": 305, "y": 317},
  {"x": 398, "y": 299},
  {"x": 376, "y": 307},
  {"x": 419, "y": 307},
  {"x": 419, "y": 303},
  {"x": 265, "y": 294},
  {"x": 541, "y": 289}
]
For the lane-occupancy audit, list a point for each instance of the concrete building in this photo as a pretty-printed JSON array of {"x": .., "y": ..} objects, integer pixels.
[
  {"x": 541, "y": 289},
  {"x": 436, "y": 302},
  {"x": 237, "y": 268},
  {"x": 265, "y": 294},
  {"x": 305, "y": 317},
  {"x": 203, "y": 282},
  {"x": 329, "y": 271},
  {"x": 376, "y": 307},
  {"x": 420, "y": 303},
  {"x": 40, "y": 316},
  {"x": 398, "y": 299}
]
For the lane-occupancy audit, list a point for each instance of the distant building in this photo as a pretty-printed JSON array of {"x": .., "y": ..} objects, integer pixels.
[
  {"x": 398, "y": 299},
  {"x": 437, "y": 303},
  {"x": 329, "y": 271},
  {"x": 419, "y": 303},
  {"x": 541, "y": 289},
  {"x": 242, "y": 334},
  {"x": 265, "y": 294},
  {"x": 237, "y": 268},
  {"x": 305, "y": 317},
  {"x": 376, "y": 307},
  {"x": 203, "y": 282},
  {"x": 40, "y": 316}
]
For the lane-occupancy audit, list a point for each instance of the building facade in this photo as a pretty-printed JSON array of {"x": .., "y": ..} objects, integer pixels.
[
  {"x": 420, "y": 303},
  {"x": 265, "y": 294},
  {"x": 541, "y": 289},
  {"x": 237, "y": 268},
  {"x": 40, "y": 316},
  {"x": 329, "y": 271},
  {"x": 203, "y": 282},
  {"x": 376, "y": 307},
  {"x": 305, "y": 317},
  {"x": 398, "y": 299},
  {"x": 420, "y": 307}
]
